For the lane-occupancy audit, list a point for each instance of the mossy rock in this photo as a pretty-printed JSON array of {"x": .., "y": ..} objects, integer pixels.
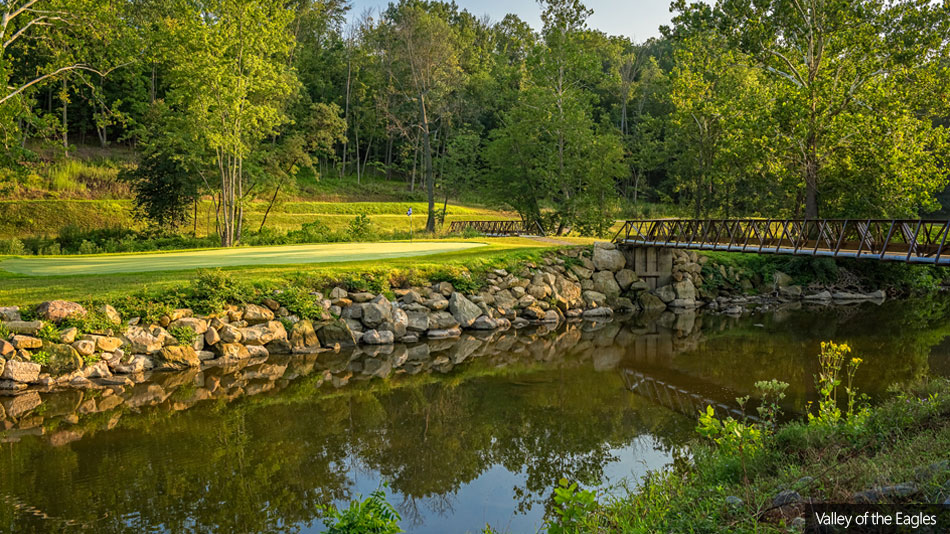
[{"x": 63, "y": 359}]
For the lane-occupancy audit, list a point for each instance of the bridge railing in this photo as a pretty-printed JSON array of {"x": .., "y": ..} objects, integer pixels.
[
  {"x": 906, "y": 240},
  {"x": 496, "y": 228}
]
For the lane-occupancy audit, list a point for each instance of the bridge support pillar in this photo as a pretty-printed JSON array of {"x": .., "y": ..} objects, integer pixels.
[{"x": 652, "y": 264}]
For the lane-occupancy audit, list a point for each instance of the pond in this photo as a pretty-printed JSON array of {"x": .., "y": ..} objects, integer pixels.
[{"x": 463, "y": 434}]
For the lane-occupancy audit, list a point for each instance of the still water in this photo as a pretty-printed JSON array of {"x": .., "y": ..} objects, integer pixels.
[{"x": 464, "y": 434}]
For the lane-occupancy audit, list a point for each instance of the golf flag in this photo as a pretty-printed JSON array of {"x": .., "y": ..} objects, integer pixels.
[{"x": 409, "y": 213}]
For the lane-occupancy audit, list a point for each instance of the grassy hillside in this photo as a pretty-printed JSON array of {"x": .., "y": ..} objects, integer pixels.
[{"x": 21, "y": 218}]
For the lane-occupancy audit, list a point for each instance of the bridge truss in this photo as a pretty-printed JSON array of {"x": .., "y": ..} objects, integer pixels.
[
  {"x": 496, "y": 228},
  {"x": 904, "y": 240}
]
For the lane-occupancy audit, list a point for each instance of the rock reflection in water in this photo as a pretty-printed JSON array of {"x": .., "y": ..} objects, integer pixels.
[{"x": 256, "y": 446}]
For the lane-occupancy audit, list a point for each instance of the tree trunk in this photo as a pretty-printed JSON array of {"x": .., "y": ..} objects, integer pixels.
[
  {"x": 389, "y": 157},
  {"x": 811, "y": 177},
  {"x": 427, "y": 160},
  {"x": 65, "y": 122}
]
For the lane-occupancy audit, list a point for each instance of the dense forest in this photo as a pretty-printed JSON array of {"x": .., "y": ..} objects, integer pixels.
[{"x": 741, "y": 108}]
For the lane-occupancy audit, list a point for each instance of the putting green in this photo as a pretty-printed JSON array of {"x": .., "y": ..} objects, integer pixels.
[{"x": 173, "y": 261}]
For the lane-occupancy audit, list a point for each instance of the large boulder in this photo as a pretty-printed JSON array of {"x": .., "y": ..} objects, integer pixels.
[
  {"x": 111, "y": 314},
  {"x": 625, "y": 278},
  {"x": 63, "y": 359},
  {"x": 6, "y": 349},
  {"x": 378, "y": 337},
  {"x": 176, "y": 357},
  {"x": 29, "y": 328},
  {"x": 57, "y": 310},
  {"x": 463, "y": 310},
  {"x": 9, "y": 313},
  {"x": 604, "y": 282},
  {"x": 377, "y": 311},
  {"x": 685, "y": 289},
  {"x": 302, "y": 335},
  {"x": 781, "y": 279},
  {"x": 26, "y": 342},
  {"x": 594, "y": 299},
  {"x": 198, "y": 326},
  {"x": 255, "y": 314},
  {"x": 606, "y": 259},
  {"x": 24, "y": 372},
  {"x": 651, "y": 303},
  {"x": 417, "y": 321},
  {"x": 234, "y": 351},
  {"x": 263, "y": 333},
  {"x": 442, "y": 320},
  {"x": 569, "y": 290},
  {"x": 141, "y": 341},
  {"x": 230, "y": 334},
  {"x": 666, "y": 293},
  {"x": 335, "y": 332}
]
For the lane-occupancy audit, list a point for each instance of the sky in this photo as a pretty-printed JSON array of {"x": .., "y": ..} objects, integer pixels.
[{"x": 637, "y": 19}]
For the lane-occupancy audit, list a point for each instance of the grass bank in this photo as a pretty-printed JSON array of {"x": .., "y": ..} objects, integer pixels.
[
  {"x": 26, "y": 290},
  {"x": 763, "y": 477}
]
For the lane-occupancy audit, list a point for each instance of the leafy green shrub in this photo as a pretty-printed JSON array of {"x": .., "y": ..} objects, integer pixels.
[
  {"x": 93, "y": 322},
  {"x": 312, "y": 232},
  {"x": 214, "y": 289},
  {"x": 49, "y": 332},
  {"x": 12, "y": 247},
  {"x": 372, "y": 516},
  {"x": 572, "y": 507},
  {"x": 361, "y": 228},
  {"x": 4, "y": 331},
  {"x": 184, "y": 335},
  {"x": 300, "y": 302},
  {"x": 41, "y": 357}
]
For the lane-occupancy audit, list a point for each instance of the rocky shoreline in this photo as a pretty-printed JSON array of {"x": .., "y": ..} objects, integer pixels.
[{"x": 589, "y": 283}]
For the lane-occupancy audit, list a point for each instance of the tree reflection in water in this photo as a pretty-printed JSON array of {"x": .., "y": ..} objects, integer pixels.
[{"x": 257, "y": 446}]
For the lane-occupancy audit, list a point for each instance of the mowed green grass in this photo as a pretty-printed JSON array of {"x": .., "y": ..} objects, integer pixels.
[
  {"x": 22, "y": 290},
  {"x": 233, "y": 257}
]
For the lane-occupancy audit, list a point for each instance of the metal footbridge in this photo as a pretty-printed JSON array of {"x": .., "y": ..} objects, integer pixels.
[{"x": 903, "y": 240}]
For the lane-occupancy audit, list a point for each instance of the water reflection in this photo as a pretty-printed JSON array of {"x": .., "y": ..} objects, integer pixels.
[{"x": 465, "y": 433}]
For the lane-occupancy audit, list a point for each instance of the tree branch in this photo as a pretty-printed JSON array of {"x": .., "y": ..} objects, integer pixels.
[
  {"x": 38, "y": 21},
  {"x": 57, "y": 72}
]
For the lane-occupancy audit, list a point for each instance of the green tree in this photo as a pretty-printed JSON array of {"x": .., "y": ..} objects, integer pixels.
[
  {"x": 231, "y": 78},
  {"x": 837, "y": 65}
]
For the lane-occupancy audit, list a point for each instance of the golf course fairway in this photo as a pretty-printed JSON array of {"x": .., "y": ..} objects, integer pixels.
[{"x": 233, "y": 257}]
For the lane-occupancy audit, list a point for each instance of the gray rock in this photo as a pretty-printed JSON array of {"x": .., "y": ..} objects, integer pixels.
[
  {"x": 785, "y": 498},
  {"x": 484, "y": 322},
  {"x": 885, "y": 493},
  {"x": 29, "y": 328},
  {"x": 685, "y": 290},
  {"x": 598, "y": 313},
  {"x": 821, "y": 295},
  {"x": 463, "y": 310},
  {"x": 604, "y": 282},
  {"x": 230, "y": 334},
  {"x": 666, "y": 293},
  {"x": 417, "y": 321},
  {"x": 790, "y": 292},
  {"x": 337, "y": 293},
  {"x": 255, "y": 314},
  {"x": 734, "y": 501},
  {"x": 650, "y": 302},
  {"x": 625, "y": 278},
  {"x": 9, "y": 313},
  {"x": 24, "y": 372},
  {"x": 302, "y": 335},
  {"x": 377, "y": 337},
  {"x": 442, "y": 320},
  {"x": 608, "y": 259},
  {"x": 377, "y": 311},
  {"x": 84, "y": 347},
  {"x": 781, "y": 279},
  {"x": 263, "y": 333},
  {"x": 582, "y": 273},
  {"x": 198, "y": 326},
  {"x": 444, "y": 333},
  {"x": 57, "y": 310},
  {"x": 361, "y": 296},
  {"x": 335, "y": 332},
  {"x": 212, "y": 336},
  {"x": 63, "y": 359},
  {"x": 594, "y": 298},
  {"x": 140, "y": 340},
  {"x": 176, "y": 357},
  {"x": 230, "y": 351}
]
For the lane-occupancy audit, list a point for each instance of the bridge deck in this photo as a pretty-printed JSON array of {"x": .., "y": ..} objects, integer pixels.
[{"x": 905, "y": 240}]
